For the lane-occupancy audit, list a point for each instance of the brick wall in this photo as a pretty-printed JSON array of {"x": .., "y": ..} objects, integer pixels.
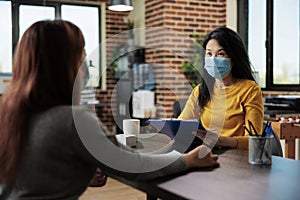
[
  {"x": 170, "y": 26},
  {"x": 168, "y": 47},
  {"x": 182, "y": 17}
]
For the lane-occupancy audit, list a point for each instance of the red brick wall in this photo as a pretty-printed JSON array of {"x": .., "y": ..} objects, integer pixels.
[
  {"x": 179, "y": 20},
  {"x": 176, "y": 21}
]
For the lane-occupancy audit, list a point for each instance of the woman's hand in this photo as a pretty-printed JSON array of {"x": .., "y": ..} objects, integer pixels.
[
  {"x": 201, "y": 157},
  {"x": 212, "y": 139},
  {"x": 230, "y": 142}
]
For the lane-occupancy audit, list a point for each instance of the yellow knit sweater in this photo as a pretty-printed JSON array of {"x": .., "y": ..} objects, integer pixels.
[{"x": 228, "y": 110}]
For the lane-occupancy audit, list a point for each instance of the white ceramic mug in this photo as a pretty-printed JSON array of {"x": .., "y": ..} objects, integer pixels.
[{"x": 131, "y": 127}]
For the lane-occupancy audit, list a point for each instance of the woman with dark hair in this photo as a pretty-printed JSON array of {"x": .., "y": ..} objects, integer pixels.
[
  {"x": 47, "y": 144},
  {"x": 227, "y": 97}
]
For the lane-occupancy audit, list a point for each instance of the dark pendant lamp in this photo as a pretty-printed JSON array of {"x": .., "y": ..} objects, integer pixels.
[{"x": 120, "y": 5}]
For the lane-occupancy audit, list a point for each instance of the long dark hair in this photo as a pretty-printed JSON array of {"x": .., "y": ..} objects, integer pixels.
[
  {"x": 235, "y": 49},
  {"x": 45, "y": 67}
]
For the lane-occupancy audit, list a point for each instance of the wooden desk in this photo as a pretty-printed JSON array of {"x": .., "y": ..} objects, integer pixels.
[
  {"x": 149, "y": 143},
  {"x": 234, "y": 179}
]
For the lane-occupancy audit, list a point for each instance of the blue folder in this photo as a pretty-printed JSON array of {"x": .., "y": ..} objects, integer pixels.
[{"x": 172, "y": 127}]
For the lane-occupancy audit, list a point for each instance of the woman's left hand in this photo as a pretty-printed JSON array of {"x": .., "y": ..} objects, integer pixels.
[
  {"x": 212, "y": 139},
  {"x": 224, "y": 141}
]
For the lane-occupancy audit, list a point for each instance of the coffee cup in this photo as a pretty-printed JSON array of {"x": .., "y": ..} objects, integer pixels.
[{"x": 131, "y": 129}]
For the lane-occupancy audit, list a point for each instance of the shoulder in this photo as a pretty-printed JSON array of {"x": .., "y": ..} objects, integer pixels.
[
  {"x": 61, "y": 118},
  {"x": 249, "y": 90},
  {"x": 67, "y": 111},
  {"x": 61, "y": 126},
  {"x": 196, "y": 90},
  {"x": 248, "y": 84}
]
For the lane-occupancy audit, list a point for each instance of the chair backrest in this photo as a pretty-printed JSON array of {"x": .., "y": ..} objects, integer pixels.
[
  {"x": 178, "y": 107},
  {"x": 276, "y": 146}
]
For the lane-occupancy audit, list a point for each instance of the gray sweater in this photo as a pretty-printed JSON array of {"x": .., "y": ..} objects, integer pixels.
[{"x": 66, "y": 145}]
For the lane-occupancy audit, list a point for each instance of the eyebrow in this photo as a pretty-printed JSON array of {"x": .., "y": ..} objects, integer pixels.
[{"x": 218, "y": 50}]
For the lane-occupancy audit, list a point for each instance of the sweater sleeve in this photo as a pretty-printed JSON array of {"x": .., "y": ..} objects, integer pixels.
[
  {"x": 254, "y": 111},
  {"x": 254, "y": 108},
  {"x": 95, "y": 147},
  {"x": 242, "y": 142},
  {"x": 191, "y": 108}
]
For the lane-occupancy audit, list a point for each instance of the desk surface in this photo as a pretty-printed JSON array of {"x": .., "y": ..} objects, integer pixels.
[
  {"x": 234, "y": 179},
  {"x": 149, "y": 143}
]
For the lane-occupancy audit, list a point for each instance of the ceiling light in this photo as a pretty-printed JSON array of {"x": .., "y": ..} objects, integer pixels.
[{"x": 120, "y": 5}]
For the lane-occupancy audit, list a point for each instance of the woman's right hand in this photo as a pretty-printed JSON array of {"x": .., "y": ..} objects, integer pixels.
[{"x": 201, "y": 157}]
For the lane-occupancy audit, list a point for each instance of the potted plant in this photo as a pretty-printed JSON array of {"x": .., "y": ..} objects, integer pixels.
[
  {"x": 191, "y": 68},
  {"x": 122, "y": 51}
]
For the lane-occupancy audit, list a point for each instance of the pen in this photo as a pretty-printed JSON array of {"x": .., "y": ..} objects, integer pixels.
[
  {"x": 265, "y": 128},
  {"x": 269, "y": 130},
  {"x": 263, "y": 150},
  {"x": 252, "y": 126},
  {"x": 266, "y": 133},
  {"x": 248, "y": 130}
]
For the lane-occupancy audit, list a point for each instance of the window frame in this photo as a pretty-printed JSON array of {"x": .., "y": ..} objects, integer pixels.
[
  {"x": 57, "y": 6},
  {"x": 269, "y": 49},
  {"x": 243, "y": 30}
]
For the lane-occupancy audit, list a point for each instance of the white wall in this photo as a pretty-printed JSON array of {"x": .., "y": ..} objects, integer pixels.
[{"x": 231, "y": 14}]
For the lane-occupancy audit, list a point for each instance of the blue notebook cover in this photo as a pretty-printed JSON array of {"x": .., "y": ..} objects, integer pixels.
[{"x": 172, "y": 127}]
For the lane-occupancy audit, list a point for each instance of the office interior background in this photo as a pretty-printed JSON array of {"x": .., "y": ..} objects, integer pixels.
[{"x": 270, "y": 30}]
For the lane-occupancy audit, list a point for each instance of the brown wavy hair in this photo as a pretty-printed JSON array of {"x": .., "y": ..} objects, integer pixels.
[{"x": 46, "y": 63}]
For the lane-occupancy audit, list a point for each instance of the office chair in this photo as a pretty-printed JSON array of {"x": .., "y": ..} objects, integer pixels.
[
  {"x": 276, "y": 146},
  {"x": 178, "y": 107}
]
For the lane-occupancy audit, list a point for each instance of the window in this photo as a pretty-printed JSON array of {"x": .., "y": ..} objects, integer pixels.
[
  {"x": 28, "y": 14},
  {"x": 286, "y": 42},
  {"x": 257, "y": 37},
  {"x": 5, "y": 37},
  {"x": 273, "y": 42},
  {"x": 86, "y": 18},
  {"x": 86, "y": 15}
]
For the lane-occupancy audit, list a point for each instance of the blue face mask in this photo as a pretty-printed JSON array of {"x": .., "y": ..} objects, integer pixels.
[{"x": 217, "y": 67}]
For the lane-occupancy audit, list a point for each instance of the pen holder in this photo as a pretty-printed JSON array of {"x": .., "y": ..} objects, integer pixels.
[{"x": 260, "y": 150}]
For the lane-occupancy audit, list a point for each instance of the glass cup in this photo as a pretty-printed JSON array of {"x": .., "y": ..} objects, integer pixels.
[{"x": 260, "y": 150}]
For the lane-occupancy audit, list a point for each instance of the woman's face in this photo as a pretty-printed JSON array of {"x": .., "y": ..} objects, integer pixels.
[
  {"x": 217, "y": 62},
  {"x": 213, "y": 49}
]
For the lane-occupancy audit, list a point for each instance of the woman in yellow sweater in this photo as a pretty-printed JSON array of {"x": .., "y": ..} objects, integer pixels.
[{"x": 227, "y": 97}]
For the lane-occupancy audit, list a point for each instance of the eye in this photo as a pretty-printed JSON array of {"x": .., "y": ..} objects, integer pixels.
[
  {"x": 208, "y": 54},
  {"x": 222, "y": 54}
]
